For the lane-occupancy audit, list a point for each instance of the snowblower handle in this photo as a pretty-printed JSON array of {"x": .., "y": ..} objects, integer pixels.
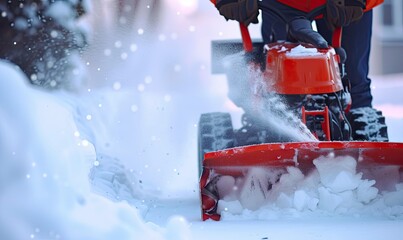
[
  {"x": 336, "y": 39},
  {"x": 246, "y": 39}
]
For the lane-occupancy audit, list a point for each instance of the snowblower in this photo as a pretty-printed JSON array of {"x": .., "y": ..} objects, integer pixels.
[{"x": 299, "y": 87}]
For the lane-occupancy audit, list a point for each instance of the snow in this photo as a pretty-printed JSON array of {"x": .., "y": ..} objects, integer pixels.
[
  {"x": 45, "y": 189},
  {"x": 335, "y": 187},
  {"x": 298, "y": 51},
  {"x": 303, "y": 51},
  {"x": 119, "y": 160}
]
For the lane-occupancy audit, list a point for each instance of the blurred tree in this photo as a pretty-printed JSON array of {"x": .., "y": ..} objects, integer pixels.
[{"x": 44, "y": 39}]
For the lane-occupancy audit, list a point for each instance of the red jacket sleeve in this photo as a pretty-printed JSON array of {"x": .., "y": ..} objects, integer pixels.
[{"x": 309, "y": 5}]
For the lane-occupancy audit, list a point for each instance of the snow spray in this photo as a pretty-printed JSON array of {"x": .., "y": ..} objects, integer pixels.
[
  {"x": 248, "y": 89},
  {"x": 272, "y": 110}
]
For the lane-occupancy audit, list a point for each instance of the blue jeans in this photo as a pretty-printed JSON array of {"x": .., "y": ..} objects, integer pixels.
[{"x": 356, "y": 41}]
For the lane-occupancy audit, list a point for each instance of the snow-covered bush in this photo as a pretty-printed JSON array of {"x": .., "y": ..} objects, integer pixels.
[{"x": 44, "y": 38}]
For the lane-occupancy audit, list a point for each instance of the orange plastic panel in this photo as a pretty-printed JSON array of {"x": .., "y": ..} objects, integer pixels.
[{"x": 301, "y": 69}]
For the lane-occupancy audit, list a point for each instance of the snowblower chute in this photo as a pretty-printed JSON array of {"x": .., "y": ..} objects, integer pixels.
[{"x": 299, "y": 87}]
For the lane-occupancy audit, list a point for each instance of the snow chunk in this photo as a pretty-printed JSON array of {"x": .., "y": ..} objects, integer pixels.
[
  {"x": 254, "y": 191},
  {"x": 338, "y": 174},
  {"x": 284, "y": 201},
  {"x": 303, "y": 201},
  {"x": 256, "y": 186},
  {"x": 226, "y": 186},
  {"x": 386, "y": 177},
  {"x": 365, "y": 191},
  {"x": 328, "y": 201}
]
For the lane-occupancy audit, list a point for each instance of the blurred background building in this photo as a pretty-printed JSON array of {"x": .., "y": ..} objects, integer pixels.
[{"x": 387, "y": 46}]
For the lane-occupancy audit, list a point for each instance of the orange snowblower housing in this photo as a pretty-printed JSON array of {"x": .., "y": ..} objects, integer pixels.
[
  {"x": 310, "y": 5},
  {"x": 302, "y": 69},
  {"x": 299, "y": 80}
]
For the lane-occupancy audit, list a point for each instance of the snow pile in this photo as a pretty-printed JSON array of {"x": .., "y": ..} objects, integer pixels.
[
  {"x": 303, "y": 51},
  {"x": 110, "y": 178},
  {"x": 45, "y": 191},
  {"x": 334, "y": 187},
  {"x": 297, "y": 51}
]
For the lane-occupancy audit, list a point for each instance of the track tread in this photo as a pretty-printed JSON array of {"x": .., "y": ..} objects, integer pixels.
[{"x": 368, "y": 125}]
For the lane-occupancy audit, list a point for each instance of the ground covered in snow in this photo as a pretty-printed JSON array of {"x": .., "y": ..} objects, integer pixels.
[{"x": 119, "y": 159}]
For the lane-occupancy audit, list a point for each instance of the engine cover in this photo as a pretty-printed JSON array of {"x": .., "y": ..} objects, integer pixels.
[{"x": 293, "y": 68}]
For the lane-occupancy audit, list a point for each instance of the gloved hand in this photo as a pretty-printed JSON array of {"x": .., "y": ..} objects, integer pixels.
[
  {"x": 340, "y": 13},
  {"x": 244, "y": 11},
  {"x": 300, "y": 29}
]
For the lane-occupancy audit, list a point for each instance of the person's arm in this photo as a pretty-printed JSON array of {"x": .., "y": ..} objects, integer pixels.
[
  {"x": 340, "y": 13},
  {"x": 243, "y": 11}
]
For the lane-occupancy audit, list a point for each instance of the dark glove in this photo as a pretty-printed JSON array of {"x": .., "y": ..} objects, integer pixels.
[
  {"x": 244, "y": 11},
  {"x": 300, "y": 29},
  {"x": 340, "y": 13}
]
